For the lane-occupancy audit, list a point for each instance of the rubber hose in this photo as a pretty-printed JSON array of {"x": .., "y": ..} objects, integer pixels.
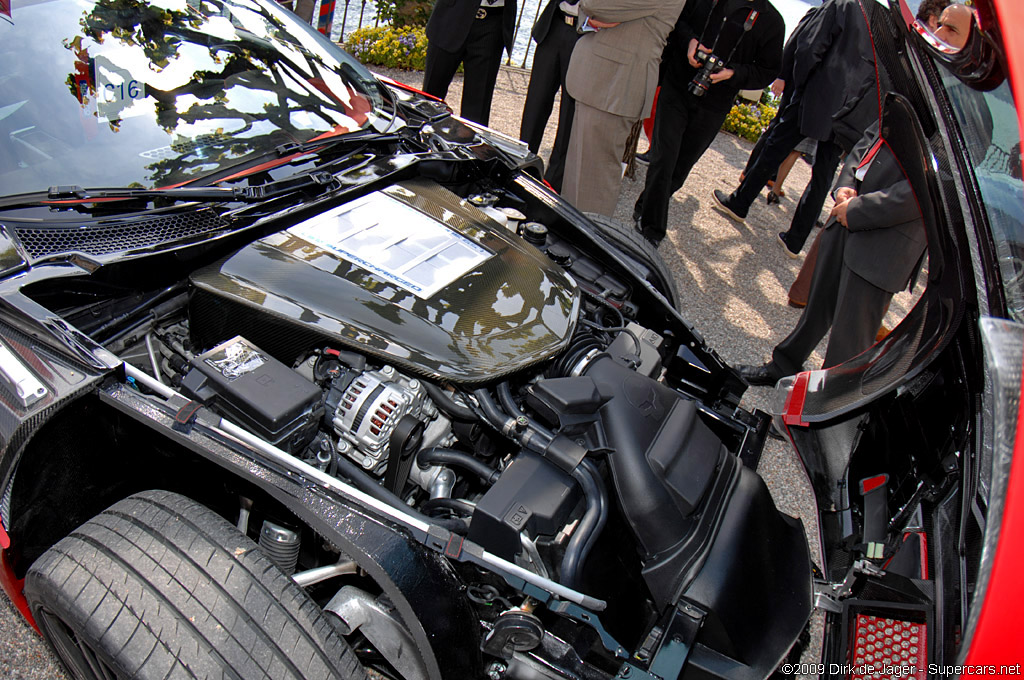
[
  {"x": 443, "y": 456},
  {"x": 507, "y": 402},
  {"x": 602, "y": 519},
  {"x": 458, "y": 505},
  {"x": 358, "y": 478},
  {"x": 590, "y": 525},
  {"x": 448, "y": 404}
]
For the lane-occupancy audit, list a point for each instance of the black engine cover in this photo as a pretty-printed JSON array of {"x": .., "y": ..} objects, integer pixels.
[{"x": 411, "y": 274}]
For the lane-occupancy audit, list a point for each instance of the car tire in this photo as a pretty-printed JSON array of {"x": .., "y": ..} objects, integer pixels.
[
  {"x": 158, "y": 586},
  {"x": 641, "y": 251}
]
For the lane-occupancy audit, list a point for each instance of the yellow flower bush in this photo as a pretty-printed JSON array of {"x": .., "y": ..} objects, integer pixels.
[
  {"x": 748, "y": 120},
  {"x": 388, "y": 46}
]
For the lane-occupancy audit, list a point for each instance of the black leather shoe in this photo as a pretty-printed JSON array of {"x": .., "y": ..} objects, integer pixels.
[
  {"x": 640, "y": 228},
  {"x": 759, "y": 376},
  {"x": 783, "y": 240},
  {"x": 653, "y": 240},
  {"x": 723, "y": 203},
  {"x": 644, "y": 157}
]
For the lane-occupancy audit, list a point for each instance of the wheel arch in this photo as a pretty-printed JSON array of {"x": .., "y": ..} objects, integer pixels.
[{"x": 94, "y": 452}]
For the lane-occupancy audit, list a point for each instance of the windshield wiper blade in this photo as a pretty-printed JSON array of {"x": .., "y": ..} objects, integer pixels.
[
  {"x": 259, "y": 192},
  {"x": 205, "y": 194},
  {"x": 362, "y": 137},
  {"x": 77, "y": 193}
]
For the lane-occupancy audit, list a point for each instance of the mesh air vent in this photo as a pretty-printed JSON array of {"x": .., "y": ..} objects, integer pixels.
[{"x": 112, "y": 237}]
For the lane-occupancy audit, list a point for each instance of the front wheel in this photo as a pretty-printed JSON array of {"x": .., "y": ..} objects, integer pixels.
[
  {"x": 158, "y": 586},
  {"x": 641, "y": 252}
]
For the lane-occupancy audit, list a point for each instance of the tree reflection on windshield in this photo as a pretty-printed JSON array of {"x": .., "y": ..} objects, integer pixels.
[{"x": 168, "y": 93}]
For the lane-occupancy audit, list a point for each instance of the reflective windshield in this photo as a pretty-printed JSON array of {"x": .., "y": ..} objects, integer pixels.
[
  {"x": 120, "y": 93},
  {"x": 988, "y": 121}
]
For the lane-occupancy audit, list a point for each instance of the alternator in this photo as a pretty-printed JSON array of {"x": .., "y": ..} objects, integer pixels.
[{"x": 370, "y": 409}]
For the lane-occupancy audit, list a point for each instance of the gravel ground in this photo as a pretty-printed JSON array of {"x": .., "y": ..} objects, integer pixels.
[{"x": 732, "y": 282}]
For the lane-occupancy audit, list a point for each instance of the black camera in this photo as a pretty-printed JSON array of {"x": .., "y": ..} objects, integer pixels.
[{"x": 710, "y": 64}]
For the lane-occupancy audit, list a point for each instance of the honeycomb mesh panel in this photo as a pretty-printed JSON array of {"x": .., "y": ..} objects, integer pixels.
[
  {"x": 112, "y": 237},
  {"x": 889, "y": 648}
]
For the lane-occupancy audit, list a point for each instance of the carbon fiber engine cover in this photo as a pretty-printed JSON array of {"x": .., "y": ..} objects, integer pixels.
[{"x": 412, "y": 274}]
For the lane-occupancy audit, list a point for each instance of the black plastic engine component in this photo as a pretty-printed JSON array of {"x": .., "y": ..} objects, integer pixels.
[
  {"x": 514, "y": 631},
  {"x": 565, "y": 403},
  {"x": 641, "y": 347},
  {"x": 665, "y": 456},
  {"x": 531, "y": 495},
  {"x": 707, "y": 528},
  {"x": 257, "y": 391}
]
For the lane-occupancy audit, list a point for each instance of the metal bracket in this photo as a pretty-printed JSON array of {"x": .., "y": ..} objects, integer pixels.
[
  {"x": 577, "y": 613},
  {"x": 828, "y": 595},
  {"x": 384, "y": 630},
  {"x": 677, "y": 643},
  {"x": 825, "y": 598}
]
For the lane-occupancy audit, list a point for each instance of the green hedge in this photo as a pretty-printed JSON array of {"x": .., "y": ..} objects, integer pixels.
[{"x": 390, "y": 47}]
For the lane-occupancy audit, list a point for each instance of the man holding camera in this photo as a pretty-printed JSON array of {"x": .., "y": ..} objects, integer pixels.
[{"x": 717, "y": 48}]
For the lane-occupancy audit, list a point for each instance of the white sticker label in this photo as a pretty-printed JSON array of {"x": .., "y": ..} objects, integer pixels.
[
  {"x": 395, "y": 242},
  {"x": 234, "y": 358},
  {"x": 118, "y": 94}
]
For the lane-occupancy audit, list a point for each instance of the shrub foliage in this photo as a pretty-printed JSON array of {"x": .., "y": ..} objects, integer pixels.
[
  {"x": 748, "y": 120},
  {"x": 389, "y": 46}
]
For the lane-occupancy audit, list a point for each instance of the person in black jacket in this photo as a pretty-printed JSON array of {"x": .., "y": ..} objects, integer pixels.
[
  {"x": 746, "y": 35},
  {"x": 471, "y": 33},
  {"x": 555, "y": 33},
  {"x": 833, "y": 97}
]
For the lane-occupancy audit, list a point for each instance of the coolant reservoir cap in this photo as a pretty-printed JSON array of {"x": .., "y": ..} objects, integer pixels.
[
  {"x": 512, "y": 214},
  {"x": 535, "y": 233}
]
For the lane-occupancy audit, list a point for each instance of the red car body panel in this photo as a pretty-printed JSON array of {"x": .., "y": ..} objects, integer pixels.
[{"x": 998, "y": 638}]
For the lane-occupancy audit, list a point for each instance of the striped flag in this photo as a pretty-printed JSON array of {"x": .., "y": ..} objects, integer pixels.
[{"x": 325, "y": 19}]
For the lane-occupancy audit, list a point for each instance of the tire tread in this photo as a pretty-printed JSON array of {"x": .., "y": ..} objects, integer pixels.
[{"x": 165, "y": 588}]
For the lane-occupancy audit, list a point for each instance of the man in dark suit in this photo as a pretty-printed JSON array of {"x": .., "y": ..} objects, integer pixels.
[
  {"x": 471, "y": 33},
  {"x": 745, "y": 34},
  {"x": 555, "y": 33},
  {"x": 870, "y": 249},
  {"x": 833, "y": 70}
]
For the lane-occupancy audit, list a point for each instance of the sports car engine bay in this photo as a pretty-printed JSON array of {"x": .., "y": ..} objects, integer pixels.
[{"x": 455, "y": 357}]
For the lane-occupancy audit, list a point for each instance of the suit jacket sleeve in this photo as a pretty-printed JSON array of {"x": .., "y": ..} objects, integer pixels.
[
  {"x": 885, "y": 208},
  {"x": 847, "y": 176},
  {"x": 768, "y": 60},
  {"x": 789, "y": 50},
  {"x": 619, "y": 10}
]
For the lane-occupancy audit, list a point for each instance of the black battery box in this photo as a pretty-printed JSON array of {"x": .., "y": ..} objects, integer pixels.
[
  {"x": 532, "y": 495},
  {"x": 256, "y": 391}
]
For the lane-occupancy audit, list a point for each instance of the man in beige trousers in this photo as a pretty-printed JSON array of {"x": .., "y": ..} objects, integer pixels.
[{"x": 612, "y": 75}]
